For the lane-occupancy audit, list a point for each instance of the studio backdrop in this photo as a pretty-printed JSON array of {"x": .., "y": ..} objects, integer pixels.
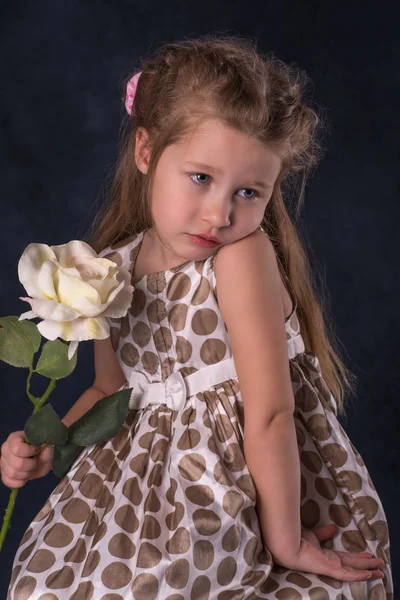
[{"x": 62, "y": 68}]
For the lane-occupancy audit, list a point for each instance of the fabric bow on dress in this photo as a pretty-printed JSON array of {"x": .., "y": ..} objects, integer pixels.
[{"x": 171, "y": 392}]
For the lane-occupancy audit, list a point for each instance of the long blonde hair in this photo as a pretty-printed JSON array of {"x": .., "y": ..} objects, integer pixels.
[{"x": 225, "y": 77}]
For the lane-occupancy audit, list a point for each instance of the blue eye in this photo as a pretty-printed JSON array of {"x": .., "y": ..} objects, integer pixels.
[
  {"x": 196, "y": 174},
  {"x": 256, "y": 194}
]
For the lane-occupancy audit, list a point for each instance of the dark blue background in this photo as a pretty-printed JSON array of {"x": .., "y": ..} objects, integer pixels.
[{"x": 62, "y": 64}]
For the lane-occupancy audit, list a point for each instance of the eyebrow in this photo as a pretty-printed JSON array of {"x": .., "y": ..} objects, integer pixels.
[{"x": 261, "y": 184}]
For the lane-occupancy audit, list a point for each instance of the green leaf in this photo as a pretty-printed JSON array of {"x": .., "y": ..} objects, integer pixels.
[
  {"x": 53, "y": 362},
  {"x": 63, "y": 457},
  {"x": 46, "y": 427},
  {"x": 19, "y": 340},
  {"x": 102, "y": 421}
]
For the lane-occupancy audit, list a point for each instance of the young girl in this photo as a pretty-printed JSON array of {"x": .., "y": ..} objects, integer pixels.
[{"x": 231, "y": 477}]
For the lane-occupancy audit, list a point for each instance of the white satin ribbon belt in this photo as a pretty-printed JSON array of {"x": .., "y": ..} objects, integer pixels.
[{"x": 176, "y": 388}]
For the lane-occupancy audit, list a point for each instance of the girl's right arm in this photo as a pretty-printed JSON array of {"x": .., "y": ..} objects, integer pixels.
[
  {"x": 249, "y": 296},
  {"x": 109, "y": 377},
  {"x": 21, "y": 462},
  {"x": 249, "y": 284}
]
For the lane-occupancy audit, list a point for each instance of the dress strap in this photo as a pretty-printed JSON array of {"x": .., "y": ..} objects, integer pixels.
[{"x": 291, "y": 292}]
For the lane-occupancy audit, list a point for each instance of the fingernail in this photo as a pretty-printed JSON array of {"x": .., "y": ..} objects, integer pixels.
[{"x": 369, "y": 575}]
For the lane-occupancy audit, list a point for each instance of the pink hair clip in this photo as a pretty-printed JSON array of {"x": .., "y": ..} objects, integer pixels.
[{"x": 131, "y": 91}]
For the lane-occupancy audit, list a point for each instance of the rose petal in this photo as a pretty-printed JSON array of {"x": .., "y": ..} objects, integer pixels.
[
  {"x": 94, "y": 268},
  {"x": 114, "y": 293},
  {"x": 75, "y": 290},
  {"x": 29, "y": 266},
  {"x": 105, "y": 287},
  {"x": 51, "y": 330},
  {"x": 27, "y": 315},
  {"x": 65, "y": 253},
  {"x": 48, "y": 309},
  {"x": 116, "y": 306},
  {"x": 121, "y": 304},
  {"x": 72, "y": 349},
  {"x": 88, "y": 309},
  {"x": 70, "y": 290},
  {"x": 78, "y": 329},
  {"x": 91, "y": 329},
  {"x": 45, "y": 280}
]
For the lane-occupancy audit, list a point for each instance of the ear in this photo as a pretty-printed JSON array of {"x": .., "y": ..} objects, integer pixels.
[{"x": 142, "y": 150}]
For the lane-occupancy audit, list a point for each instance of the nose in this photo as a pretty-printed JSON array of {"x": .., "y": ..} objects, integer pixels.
[{"x": 217, "y": 212}]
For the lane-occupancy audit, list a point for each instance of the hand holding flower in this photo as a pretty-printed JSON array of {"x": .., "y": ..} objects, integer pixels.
[{"x": 73, "y": 291}]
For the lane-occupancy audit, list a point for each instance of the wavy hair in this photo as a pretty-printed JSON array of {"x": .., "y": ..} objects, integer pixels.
[{"x": 225, "y": 77}]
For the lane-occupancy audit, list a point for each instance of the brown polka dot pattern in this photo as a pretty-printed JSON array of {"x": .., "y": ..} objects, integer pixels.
[
  {"x": 203, "y": 554},
  {"x": 177, "y": 316},
  {"x": 116, "y": 575},
  {"x": 177, "y": 573},
  {"x": 91, "y": 563},
  {"x": 141, "y": 334},
  {"x": 145, "y": 587},
  {"x": 173, "y": 519},
  {"x": 167, "y": 506},
  {"x": 149, "y": 556},
  {"x": 84, "y": 591},
  {"x": 60, "y": 579},
  {"x": 77, "y": 553},
  {"x": 121, "y": 546},
  {"x": 41, "y": 561}
]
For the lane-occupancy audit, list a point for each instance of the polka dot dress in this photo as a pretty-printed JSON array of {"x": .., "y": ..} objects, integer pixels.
[{"x": 165, "y": 510}]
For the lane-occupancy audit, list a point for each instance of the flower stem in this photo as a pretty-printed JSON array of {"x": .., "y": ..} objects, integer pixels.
[
  {"x": 31, "y": 397},
  {"x": 42, "y": 400},
  {"x": 7, "y": 516},
  {"x": 38, "y": 403}
]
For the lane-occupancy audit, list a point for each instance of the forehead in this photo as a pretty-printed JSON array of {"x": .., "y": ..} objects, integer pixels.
[
  {"x": 216, "y": 143},
  {"x": 211, "y": 132}
]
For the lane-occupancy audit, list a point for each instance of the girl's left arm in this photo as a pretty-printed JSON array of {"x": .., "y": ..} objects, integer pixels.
[{"x": 249, "y": 296}]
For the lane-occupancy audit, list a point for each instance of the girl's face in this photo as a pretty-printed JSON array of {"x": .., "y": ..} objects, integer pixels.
[{"x": 217, "y": 182}]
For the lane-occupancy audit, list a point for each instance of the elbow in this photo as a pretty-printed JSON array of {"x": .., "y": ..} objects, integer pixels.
[{"x": 259, "y": 427}]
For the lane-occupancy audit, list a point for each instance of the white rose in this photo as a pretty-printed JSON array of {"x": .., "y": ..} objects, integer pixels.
[{"x": 73, "y": 290}]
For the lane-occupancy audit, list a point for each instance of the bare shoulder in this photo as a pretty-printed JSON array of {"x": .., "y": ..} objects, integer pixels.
[
  {"x": 253, "y": 251},
  {"x": 249, "y": 297},
  {"x": 250, "y": 261}
]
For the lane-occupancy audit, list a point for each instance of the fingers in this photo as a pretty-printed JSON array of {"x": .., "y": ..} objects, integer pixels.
[
  {"x": 353, "y": 561},
  {"x": 44, "y": 462},
  {"x": 41, "y": 472},
  {"x": 353, "y": 567},
  {"x": 7, "y": 476},
  {"x": 16, "y": 469},
  {"x": 16, "y": 445},
  {"x": 360, "y": 561},
  {"x": 46, "y": 454},
  {"x": 350, "y": 575},
  {"x": 325, "y": 532},
  {"x": 19, "y": 460},
  {"x": 16, "y": 461}
]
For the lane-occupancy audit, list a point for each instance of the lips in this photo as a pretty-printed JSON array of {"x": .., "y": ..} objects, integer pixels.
[{"x": 207, "y": 237}]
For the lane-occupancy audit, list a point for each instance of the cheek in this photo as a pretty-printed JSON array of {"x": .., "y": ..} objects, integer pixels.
[
  {"x": 181, "y": 205},
  {"x": 245, "y": 223},
  {"x": 173, "y": 199},
  {"x": 172, "y": 209}
]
